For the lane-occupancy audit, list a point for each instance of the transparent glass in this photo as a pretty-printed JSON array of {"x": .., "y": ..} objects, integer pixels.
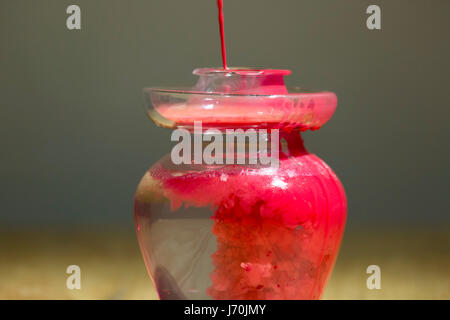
[
  {"x": 241, "y": 98},
  {"x": 241, "y": 231}
]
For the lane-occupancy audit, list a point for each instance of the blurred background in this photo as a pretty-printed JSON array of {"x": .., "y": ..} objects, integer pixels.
[{"x": 75, "y": 139}]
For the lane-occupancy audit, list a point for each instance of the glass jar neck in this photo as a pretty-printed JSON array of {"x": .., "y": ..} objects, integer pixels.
[
  {"x": 241, "y": 80},
  {"x": 250, "y": 147}
]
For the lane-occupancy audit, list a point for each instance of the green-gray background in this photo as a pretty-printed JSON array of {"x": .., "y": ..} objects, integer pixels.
[{"x": 75, "y": 139}]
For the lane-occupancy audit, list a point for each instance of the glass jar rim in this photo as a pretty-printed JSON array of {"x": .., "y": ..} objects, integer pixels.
[
  {"x": 186, "y": 90},
  {"x": 243, "y": 71},
  {"x": 176, "y": 107}
]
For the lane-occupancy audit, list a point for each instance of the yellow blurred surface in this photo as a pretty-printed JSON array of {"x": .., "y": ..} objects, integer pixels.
[{"x": 414, "y": 265}]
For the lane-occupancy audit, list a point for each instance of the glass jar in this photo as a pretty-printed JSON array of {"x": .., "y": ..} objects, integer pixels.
[{"x": 241, "y": 230}]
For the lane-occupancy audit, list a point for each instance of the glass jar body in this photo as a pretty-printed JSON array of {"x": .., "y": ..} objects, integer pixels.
[{"x": 241, "y": 232}]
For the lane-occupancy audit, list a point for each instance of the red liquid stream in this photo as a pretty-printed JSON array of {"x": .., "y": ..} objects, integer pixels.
[{"x": 222, "y": 33}]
